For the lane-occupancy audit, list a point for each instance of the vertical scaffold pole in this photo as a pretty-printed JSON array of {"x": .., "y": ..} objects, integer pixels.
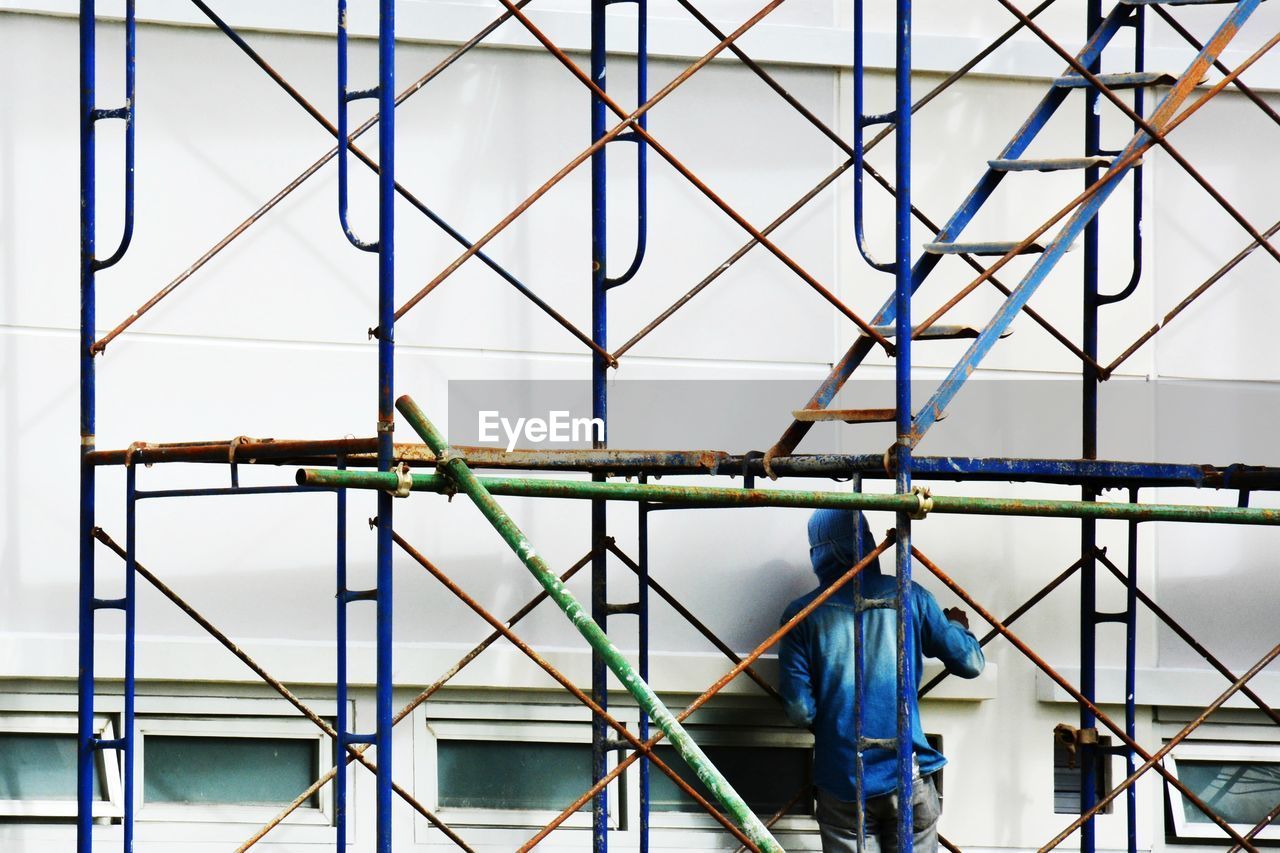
[
  {"x": 642, "y": 607},
  {"x": 902, "y": 377},
  {"x": 1089, "y": 445},
  {"x": 341, "y": 722},
  {"x": 1131, "y": 678},
  {"x": 87, "y": 749},
  {"x": 386, "y": 403},
  {"x": 859, "y": 679},
  {"x": 88, "y": 744},
  {"x": 130, "y": 649},
  {"x": 599, "y": 409}
]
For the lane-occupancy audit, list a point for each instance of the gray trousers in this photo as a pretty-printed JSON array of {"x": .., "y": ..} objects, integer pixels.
[{"x": 838, "y": 821}]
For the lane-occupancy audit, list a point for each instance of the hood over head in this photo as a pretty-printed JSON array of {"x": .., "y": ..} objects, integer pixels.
[{"x": 839, "y": 538}]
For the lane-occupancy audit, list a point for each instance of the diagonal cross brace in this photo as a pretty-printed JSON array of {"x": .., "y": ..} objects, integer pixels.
[
  {"x": 590, "y": 630},
  {"x": 1163, "y": 115}
]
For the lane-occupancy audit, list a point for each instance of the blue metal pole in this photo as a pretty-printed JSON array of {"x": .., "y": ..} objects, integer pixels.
[
  {"x": 902, "y": 377},
  {"x": 599, "y": 409},
  {"x": 341, "y": 723},
  {"x": 86, "y": 755},
  {"x": 1089, "y": 444},
  {"x": 130, "y": 649},
  {"x": 859, "y": 682},
  {"x": 1131, "y": 677},
  {"x": 386, "y": 405},
  {"x": 643, "y": 578}
]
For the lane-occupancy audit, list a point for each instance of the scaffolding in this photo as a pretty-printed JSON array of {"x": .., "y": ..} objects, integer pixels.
[{"x": 335, "y": 466}]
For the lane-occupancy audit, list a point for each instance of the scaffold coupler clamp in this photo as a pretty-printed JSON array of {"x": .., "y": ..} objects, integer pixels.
[
  {"x": 924, "y": 502},
  {"x": 404, "y": 481}
]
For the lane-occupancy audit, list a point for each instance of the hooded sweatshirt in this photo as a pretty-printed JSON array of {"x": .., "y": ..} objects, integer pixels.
[{"x": 817, "y": 661}]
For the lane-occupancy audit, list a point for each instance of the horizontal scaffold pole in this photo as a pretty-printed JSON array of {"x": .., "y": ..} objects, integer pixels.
[
  {"x": 711, "y": 496},
  {"x": 458, "y": 476}
]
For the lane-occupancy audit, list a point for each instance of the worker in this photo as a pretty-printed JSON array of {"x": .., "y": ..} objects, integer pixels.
[{"x": 817, "y": 683}]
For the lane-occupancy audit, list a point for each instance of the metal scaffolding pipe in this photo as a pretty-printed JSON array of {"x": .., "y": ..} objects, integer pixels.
[
  {"x": 459, "y": 475},
  {"x": 710, "y": 496}
]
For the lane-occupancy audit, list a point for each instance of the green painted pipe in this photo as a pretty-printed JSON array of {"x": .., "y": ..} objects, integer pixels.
[
  {"x": 458, "y": 473},
  {"x": 727, "y": 496}
]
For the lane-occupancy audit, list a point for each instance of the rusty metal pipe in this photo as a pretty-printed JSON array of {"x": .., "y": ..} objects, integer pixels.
[
  {"x": 564, "y": 682},
  {"x": 1247, "y": 91},
  {"x": 101, "y": 344},
  {"x": 1075, "y": 694},
  {"x": 1163, "y": 113},
  {"x": 648, "y": 701},
  {"x": 630, "y": 121},
  {"x": 641, "y": 132},
  {"x": 697, "y": 624},
  {"x": 1161, "y": 614},
  {"x": 275, "y": 684},
  {"x": 1155, "y": 758},
  {"x": 1105, "y": 179},
  {"x": 1182, "y": 306},
  {"x": 1011, "y": 618},
  {"x": 868, "y": 168},
  {"x": 426, "y": 694},
  {"x": 706, "y": 695}
]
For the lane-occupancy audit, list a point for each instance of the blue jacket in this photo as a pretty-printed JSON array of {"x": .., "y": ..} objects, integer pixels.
[{"x": 817, "y": 661}]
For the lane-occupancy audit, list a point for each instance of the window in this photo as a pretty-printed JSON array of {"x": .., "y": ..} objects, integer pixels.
[
  {"x": 1240, "y": 781},
  {"x": 532, "y": 775},
  {"x": 233, "y": 769},
  {"x": 507, "y": 765},
  {"x": 38, "y": 768}
]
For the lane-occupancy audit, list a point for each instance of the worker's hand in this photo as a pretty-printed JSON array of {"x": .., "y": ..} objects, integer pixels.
[{"x": 958, "y": 616}]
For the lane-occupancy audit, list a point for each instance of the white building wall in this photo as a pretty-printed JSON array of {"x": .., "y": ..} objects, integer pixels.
[{"x": 270, "y": 340}]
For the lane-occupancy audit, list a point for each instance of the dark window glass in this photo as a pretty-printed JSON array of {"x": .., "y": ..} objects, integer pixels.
[
  {"x": 1240, "y": 792},
  {"x": 766, "y": 777},
  {"x": 37, "y": 766},
  {"x": 245, "y": 771},
  {"x": 479, "y": 774}
]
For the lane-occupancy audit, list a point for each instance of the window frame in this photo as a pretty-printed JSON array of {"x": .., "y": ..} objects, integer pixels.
[
  {"x": 237, "y": 727},
  {"x": 1252, "y": 752},
  {"x": 109, "y": 768},
  {"x": 527, "y": 723}
]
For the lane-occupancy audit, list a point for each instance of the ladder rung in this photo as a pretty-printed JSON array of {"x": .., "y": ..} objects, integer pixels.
[
  {"x": 362, "y": 94},
  {"x": 877, "y": 743},
  {"x": 879, "y": 118},
  {"x": 113, "y": 743},
  {"x": 939, "y": 332},
  {"x": 995, "y": 248},
  {"x": 849, "y": 416},
  {"x": 352, "y": 737},
  {"x": 1126, "y": 80},
  {"x": 117, "y": 113},
  {"x": 631, "y": 608},
  {"x": 1052, "y": 164},
  {"x": 109, "y": 604},
  {"x": 1120, "y": 617},
  {"x": 351, "y": 595},
  {"x": 877, "y": 604}
]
